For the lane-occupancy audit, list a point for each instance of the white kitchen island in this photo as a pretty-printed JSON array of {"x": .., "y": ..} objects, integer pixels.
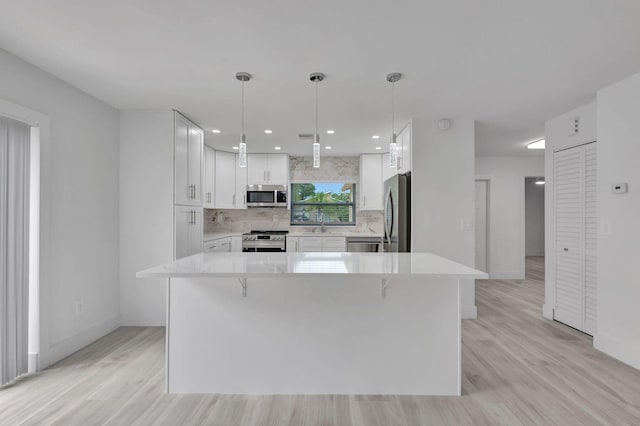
[{"x": 313, "y": 323}]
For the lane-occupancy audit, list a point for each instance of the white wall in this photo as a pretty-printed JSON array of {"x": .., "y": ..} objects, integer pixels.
[
  {"x": 146, "y": 212},
  {"x": 443, "y": 195},
  {"x": 558, "y": 135},
  {"x": 80, "y": 208},
  {"x": 618, "y": 250},
  {"x": 506, "y": 231},
  {"x": 534, "y": 218}
]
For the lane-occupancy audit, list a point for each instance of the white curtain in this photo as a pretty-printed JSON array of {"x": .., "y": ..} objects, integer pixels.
[{"x": 14, "y": 248}]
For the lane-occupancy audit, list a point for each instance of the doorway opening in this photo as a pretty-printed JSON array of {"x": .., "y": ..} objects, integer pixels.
[
  {"x": 534, "y": 188},
  {"x": 482, "y": 225},
  {"x": 36, "y": 127}
]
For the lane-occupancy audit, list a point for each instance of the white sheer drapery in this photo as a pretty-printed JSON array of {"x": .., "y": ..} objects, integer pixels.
[{"x": 14, "y": 248}]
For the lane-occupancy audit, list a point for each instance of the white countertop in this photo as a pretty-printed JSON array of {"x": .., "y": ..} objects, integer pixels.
[
  {"x": 209, "y": 236},
  {"x": 242, "y": 265},
  {"x": 333, "y": 234}
]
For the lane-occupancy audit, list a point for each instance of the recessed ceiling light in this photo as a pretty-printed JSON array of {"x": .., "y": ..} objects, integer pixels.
[
  {"x": 216, "y": 131},
  {"x": 536, "y": 145},
  {"x": 268, "y": 131},
  {"x": 330, "y": 132},
  {"x": 327, "y": 147},
  {"x": 277, "y": 148},
  {"x": 378, "y": 148},
  {"x": 235, "y": 147},
  {"x": 375, "y": 137}
]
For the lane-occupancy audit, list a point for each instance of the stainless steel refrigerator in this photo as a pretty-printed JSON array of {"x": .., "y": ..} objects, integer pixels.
[{"x": 397, "y": 213}]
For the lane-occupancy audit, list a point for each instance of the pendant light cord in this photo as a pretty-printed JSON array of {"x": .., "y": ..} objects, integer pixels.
[
  {"x": 316, "y": 136},
  {"x": 393, "y": 111},
  {"x": 242, "y": 137}
]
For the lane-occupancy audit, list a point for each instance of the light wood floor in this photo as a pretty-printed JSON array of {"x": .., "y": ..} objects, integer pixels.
[{"x": 518, "y": 369}]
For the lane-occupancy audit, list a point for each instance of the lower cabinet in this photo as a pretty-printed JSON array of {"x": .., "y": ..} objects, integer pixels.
[
  {"x": 316, "y": 244},
  {"x": 226, "y": 244},
  {"x": 188, "y": 231}
]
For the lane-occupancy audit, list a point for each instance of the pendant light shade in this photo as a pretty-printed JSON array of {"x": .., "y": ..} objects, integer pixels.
[
  {"x": 243, "y": 77},
  {"x": 393, "y": 146},
  {"x": 316, "y": 77}
]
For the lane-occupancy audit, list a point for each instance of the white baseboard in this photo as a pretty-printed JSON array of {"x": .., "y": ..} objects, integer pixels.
[
  {"x": 627, "y": 350},
  {"x": 32, "y": 364},
  {"x": 66, "y": 347},
  {"x": 506, "y": 275},
  {"x": 547, "y": 311},
  {"x": 469, "y": 312}
]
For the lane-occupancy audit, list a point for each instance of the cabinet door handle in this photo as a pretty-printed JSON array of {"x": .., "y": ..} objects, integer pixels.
[
  {"x": 364, "y": 200},
  {"x": 234, "y": 199},
  {"x": 268, "y": 175}
]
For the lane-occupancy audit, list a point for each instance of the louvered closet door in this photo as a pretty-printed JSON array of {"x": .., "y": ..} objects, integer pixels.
[
  {"x": 569, "y": 208},
  {"x": 590, "y": 239}
]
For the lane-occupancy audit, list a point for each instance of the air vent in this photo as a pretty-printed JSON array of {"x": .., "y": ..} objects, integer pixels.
[{"x": 305, "y": 137}]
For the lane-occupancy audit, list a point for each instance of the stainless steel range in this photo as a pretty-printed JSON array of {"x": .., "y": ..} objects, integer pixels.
[{"x": 261, "y": 241}]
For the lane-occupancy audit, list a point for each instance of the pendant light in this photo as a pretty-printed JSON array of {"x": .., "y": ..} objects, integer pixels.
[
  {"x": 243, "y": 77},
  {"x": 316, "y": 77},
  {"x": 393, "y": 146}
]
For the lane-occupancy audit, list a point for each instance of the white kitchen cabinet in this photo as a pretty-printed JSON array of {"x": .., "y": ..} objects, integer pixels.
[
  {"x": 225, "y": 180},
  {"x": 334, "y": 244},
  {"x": 278, "y": 168},
  {"x": 387, "y": 171},
  {"x": 188, "y": 231},
  {"x": 268, "y": 169},
  {"x": 188, "y": 146},
  {"x": 292, "y": 244},
  {"x": 317, "y": 244},
  {"x": 308, "y": 244},
  {"x": 218, "y": 245},
  {"x": 404, "y": 149},
  {"x": 236, "y": 243},
  {"x": 209, "y": 177},
  {"x": 371, "y": 183}
]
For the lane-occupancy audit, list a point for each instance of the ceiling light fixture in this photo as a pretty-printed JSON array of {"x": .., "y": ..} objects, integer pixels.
[
  {"x": 393, "y": 146},
  {"x": 330, "y": 132},
  {"x": 378, "y": 148},
  {"x": 277, "y": 148},
  {"x": 268, "y": 131},
  {"x": 327, "y": 147},
  {"x": 317, "y": 77},
  {"x": 216, "y": 131},
  {"x": 536, "y": 145},
  {"x": 235, "y": 147},
  {"x": 375, "y": 137},
  {"x": 243, "y": 77}
]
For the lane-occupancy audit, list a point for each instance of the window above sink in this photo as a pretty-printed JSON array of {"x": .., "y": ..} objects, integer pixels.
[{"x": 328, "y": 203}]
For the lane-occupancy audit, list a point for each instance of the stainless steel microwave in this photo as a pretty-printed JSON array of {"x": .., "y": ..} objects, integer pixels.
[{"x": 266, "y": 196}]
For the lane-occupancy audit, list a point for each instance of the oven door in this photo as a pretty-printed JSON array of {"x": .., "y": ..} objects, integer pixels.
[{"x": 262, "y": 249}]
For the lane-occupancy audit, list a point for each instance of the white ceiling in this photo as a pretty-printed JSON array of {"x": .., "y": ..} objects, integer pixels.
[{"x": 508, "y": 64}]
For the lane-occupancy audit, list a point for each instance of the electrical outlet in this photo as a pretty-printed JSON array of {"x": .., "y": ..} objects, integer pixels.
[{"x": 79, "y": 307}]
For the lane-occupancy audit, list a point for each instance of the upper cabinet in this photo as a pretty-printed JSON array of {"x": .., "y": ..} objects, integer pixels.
[
  {"x": 225, "y": 180},
  {"x": 188, "y": 145},
  {"x": 371, "y": 182},
  {"x": 209, "y": 177},
  {"x": 230, "y": 182},
  {"x": 387, "y": 171},
  {"x": 404, "y": 149},
  {"x": 268, "y": 169}
]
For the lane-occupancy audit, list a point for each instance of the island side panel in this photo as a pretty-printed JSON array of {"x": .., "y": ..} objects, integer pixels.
[{"x": 314, "y": 335}]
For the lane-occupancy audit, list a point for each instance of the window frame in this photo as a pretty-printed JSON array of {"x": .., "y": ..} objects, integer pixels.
[{"x": 352, "y": 205}]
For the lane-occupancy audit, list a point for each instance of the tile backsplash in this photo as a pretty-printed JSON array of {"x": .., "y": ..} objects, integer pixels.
[{"x": 301, "y": 170}]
